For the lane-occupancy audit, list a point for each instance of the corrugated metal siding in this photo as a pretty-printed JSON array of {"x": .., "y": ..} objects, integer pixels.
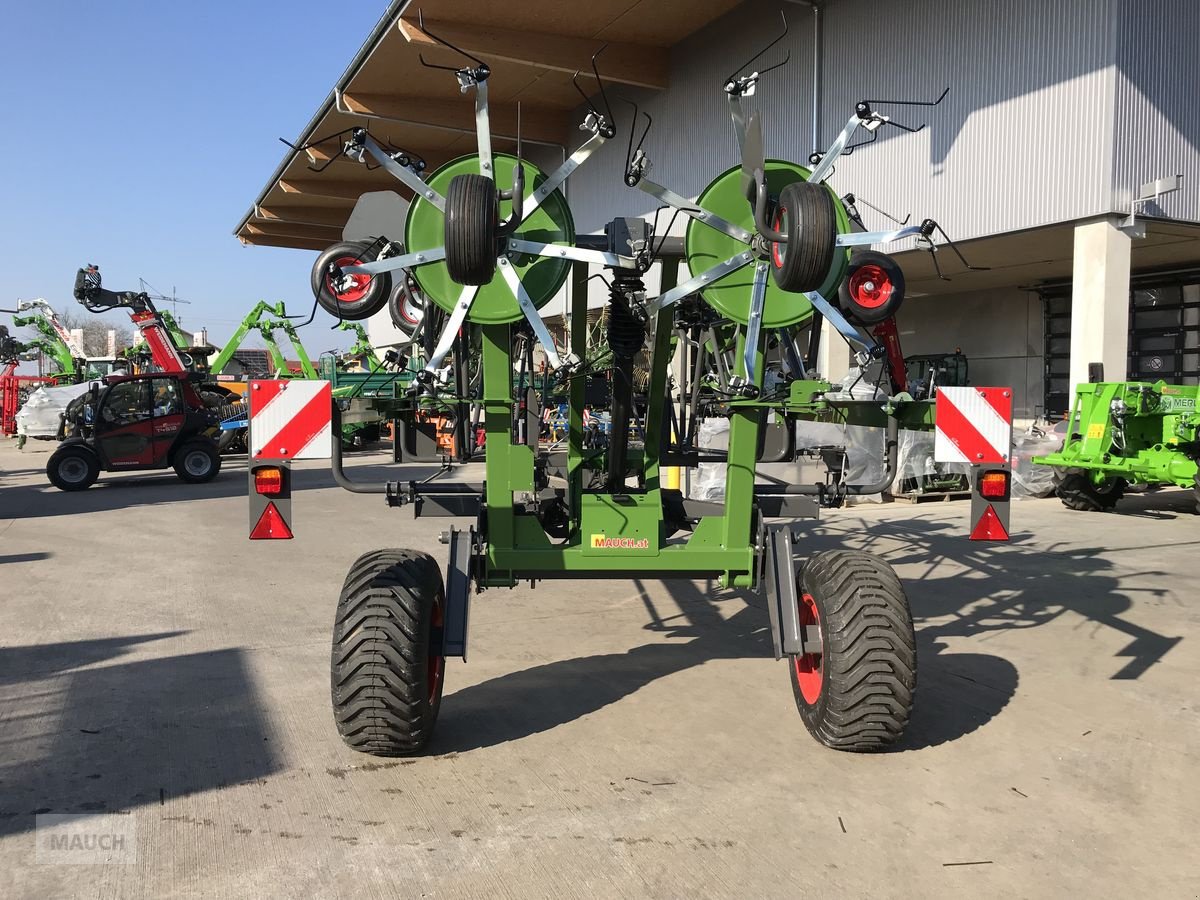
[
  {"x": 1157, "y": 105},
  {"x": 1024, "y": 138}
]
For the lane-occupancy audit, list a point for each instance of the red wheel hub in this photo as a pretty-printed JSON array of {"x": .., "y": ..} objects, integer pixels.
[
  {"x": 870, "y": 286},
  {"x": 779, "y": 251},
  {"x": 809, "y": 672},
  {"x": 359, "y": 286},
  {"x": 437, "y": 662}
]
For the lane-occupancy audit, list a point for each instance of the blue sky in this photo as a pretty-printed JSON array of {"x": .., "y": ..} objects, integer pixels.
[{"x": 139, "y": 132}]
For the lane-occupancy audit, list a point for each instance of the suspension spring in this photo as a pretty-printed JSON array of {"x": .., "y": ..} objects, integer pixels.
[{"x": 626, "y": 334}]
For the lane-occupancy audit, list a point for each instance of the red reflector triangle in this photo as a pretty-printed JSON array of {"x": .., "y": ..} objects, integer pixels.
[
  {"x": 271, "y": 526},
  {"x": 989, "y": 528}
]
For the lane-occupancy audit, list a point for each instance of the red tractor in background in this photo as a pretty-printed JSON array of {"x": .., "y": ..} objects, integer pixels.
[{"x": 153, "y": 420}]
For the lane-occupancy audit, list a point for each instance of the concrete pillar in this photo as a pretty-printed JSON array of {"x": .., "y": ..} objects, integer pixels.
[
  {"x": 1100, "y": 301},
  {"x": 833, "y": 357}
]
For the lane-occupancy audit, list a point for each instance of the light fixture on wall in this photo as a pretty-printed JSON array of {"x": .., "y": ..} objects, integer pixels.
[{"x": 1147, "y": 193}]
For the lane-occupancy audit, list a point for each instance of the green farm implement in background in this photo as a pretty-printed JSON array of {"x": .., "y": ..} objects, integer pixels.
[{"x": 1123, "y": 433}]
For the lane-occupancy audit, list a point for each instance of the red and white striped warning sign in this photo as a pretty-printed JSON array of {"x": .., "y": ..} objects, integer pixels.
[
  {"x": 974, "y": 425},
  {"x": 291, "y": 419}
]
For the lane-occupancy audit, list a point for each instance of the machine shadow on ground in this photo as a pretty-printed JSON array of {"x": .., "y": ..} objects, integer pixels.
[
  {"x": 957, "y": 590},
  {"x": 86, "y": 738},
  {"x": 112, "y": 492}
]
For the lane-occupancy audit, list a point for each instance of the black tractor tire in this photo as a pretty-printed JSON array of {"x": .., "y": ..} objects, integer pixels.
[
  {"x": 369, "y": 293},
  {"x": 197, "y": 461},
  {"x": 73, "y": 468},
  {"x": 387, "y": 671},
  {"x": 1077, "y": 491},
  {"x": 406, "y": 306},
  {"x": 470, "y": 232},
  {"x": 873, "y": 288},
  {"x": 857, "y": 695},
  {"x": 806, "y": 215},
  {"x": 1196, "y": 492}
]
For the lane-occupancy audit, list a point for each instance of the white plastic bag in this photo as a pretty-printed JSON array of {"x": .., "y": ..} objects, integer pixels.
[
  {"x": 1030, "y": 481},
  {"x": 40, "y": 416}
]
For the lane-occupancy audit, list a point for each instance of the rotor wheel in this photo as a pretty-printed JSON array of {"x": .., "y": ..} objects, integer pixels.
[
  {"x": 874, "y": 288},
  {"x": 856, "y": 694},
  {"x": 387, "y": 668},
  {"x": 470, "y": 229},
  {"x": 359, "y": 296},
  {"x": 406, "y": 306},
  {"x": 425, "y": 228},
  {"x": 1077, "y": 490},
  {"x": 705, "y": 247},
  {"x": 806, "y": 216}
]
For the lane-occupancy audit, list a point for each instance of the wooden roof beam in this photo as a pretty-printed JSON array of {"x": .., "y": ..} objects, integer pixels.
[
  {"x": 540, "y": 124},
  {"x": 304, "y": 215},
  {"x": 621, "y": 63},
  {"x": 345, "y": 189}
]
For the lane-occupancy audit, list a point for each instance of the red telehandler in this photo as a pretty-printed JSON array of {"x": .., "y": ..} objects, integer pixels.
[{"x": 152, "y": 420}]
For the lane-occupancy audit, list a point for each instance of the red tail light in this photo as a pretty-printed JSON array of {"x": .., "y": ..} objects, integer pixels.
[
  {"x": 994, "y": 485},
  {"x": 268, "y": 480}
]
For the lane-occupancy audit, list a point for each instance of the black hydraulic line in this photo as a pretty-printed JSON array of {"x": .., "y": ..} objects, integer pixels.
[{"x": 335, "y": 461}]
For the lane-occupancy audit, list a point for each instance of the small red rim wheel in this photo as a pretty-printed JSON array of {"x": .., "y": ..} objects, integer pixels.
[
  {"x": 809, "y": 673},
  {"x": 870, "y": 286},
  {"x": 807, "y": 217},
  {"x": 359, "y": 284},
  {"x": 874, "y": 288},
  {"x": 360, "y": 296}
]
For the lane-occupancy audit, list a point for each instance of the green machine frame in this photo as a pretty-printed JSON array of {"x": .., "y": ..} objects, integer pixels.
[{"x": 490, "y": 240}]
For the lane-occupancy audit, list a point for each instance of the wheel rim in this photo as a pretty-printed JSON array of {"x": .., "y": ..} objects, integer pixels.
[
  {"x": 360, "y": 284},
  {"x": 808, "y": 666},
  {"x": 779, "y": 251},
  {"x": 437, "y": 662},
  {"x": 411, "y": 310},
  {"x": 870, "y": 287},
  {"x": 72, "y": 470},
  {"x": 197, "y": 463}
]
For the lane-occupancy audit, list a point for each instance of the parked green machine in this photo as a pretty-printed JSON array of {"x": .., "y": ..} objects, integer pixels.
[
  {"x": 490, "y": 239},
  {"x": 1122, "y": 433}
]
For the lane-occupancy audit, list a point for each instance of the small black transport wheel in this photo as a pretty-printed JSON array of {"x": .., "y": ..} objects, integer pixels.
[
  {"x": 806, "y": 215},
  {"x": 352, "y": 297},
  {"x": 387, "y": 668},
  {"x": 406, "y": 305},
  {"x": 1077, "y": 490},
  {"x": 873, "y": 288},
  {"x": 857, "y": 693},
  {"x": 73, "y": 468},
  {"x": 197, "y": 461},
  {"x": 471, "y": 216}
]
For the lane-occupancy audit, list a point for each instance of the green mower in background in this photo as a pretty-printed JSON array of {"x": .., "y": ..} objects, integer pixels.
[{"x": 1122, "y": 433}]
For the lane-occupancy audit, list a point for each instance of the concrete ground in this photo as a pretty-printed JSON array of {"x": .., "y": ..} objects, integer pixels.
[{"x": 606, "y": 739}]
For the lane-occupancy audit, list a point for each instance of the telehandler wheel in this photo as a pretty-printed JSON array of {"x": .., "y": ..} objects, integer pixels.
[
  {"x": 1076, "y": 490},
  {"x": 362, "y": 296},
  {"x": 470, "y": 230},
  {"x": 387, "y": 669},
  {"x": 73, "y": 468},
  {"x": 197, "y": 462},
  {"x": 857, "y": 693},
  {"x": 1196, "y": 492},
  {"x": 873, "y": 289},
  {"x": 807, "y": 216}
]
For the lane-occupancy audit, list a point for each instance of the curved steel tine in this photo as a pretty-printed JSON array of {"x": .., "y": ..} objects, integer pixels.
[
  {"x": 733, "y": 77},
  {"x": 444, "y": 43}
]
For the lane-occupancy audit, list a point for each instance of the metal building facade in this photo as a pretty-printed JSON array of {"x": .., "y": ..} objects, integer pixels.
[{"x": 1057, "y": 111}]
